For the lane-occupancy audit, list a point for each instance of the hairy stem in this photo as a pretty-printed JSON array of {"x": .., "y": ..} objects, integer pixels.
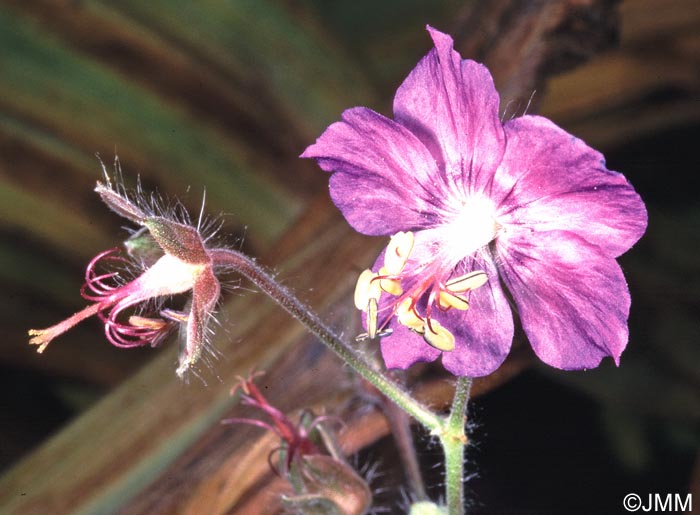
[
  {"x": 285, "y": 298},
  {"x": 453, "y": 441}
]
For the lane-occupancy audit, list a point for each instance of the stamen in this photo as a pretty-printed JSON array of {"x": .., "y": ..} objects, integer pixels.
[
  {"x": 388, "y": 284},
  {"x": 366, "y": 288},
  {"x": 143, "y": 330},
  {"x": 397, "y": 252},
  {"x": 439, "y": 337},
  {"x": 468, "y": 282},
  {"x": 127, "y": 336},
  {"x": 147, "y": 323},
  {"x": 447, "y": 300},
  {"x": 380, "y": 334},
  {"x": 372, "y": 318},
  {"x": 157, "y": 328},
  {"x": 452, "y": 294},
  {"x": 100, "y": 290},
  {"x": 407, "y": 316}
]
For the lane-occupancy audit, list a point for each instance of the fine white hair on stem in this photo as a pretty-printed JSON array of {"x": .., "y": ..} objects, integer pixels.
[{"x": 201, "y": 209}]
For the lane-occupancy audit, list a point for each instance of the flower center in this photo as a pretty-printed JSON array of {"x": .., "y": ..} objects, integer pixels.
[
  {"x": 433, "y": 288},
  {"x": 472, "y": 227}
]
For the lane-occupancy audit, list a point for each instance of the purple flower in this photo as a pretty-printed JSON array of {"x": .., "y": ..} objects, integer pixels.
[{"x": 473, "y": 204}]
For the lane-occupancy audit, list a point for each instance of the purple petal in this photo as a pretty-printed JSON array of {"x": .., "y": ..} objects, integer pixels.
[
  {"x": 484, "y": 333},
  {"x": 550, "y": 180},
  {"x": 383, "y": 180},
  {"x": 572, "y": 298},
  {"x": 405, "y": 348},
  {"x": 452, "y": 105}
]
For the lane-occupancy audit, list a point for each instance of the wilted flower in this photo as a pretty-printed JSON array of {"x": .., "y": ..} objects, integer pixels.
[
  {"x": 294, "y": 436},
  {"x": 172, "y": 259},
  {"x": 471, "y": 204},
  {"x": 323, "y": 482}
]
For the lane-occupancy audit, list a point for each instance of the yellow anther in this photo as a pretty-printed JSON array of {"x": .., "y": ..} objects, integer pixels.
[
  {"x": 407, "y": 317},
  {"x": 397, "y": 252},
  {"x": 437, "y": 336},
  {"x": 372, "y": 318},
  {"x": 467, "y": 282},
  {"x": 448, "y": 300},
  {"x": 147, "y": 323},
  {"x": 391, "y": 286},
  {"x": 366, "y": 288}
]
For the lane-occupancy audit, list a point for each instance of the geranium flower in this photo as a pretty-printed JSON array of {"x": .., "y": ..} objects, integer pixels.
[
  {"x": 473, "y": 204},
  {"x": 171, "y": 258}
]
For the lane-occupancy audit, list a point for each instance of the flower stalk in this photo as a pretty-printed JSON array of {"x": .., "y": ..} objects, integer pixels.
[
  {"x": 173, "y": 258},
  {"x": 451, "y": 430},
  {"x": 256, "y": 274},
  {"x": 453, "y": 441}
]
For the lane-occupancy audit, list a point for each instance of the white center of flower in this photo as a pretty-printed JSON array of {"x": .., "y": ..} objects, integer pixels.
[
  {"x": 473, "y": 227},
  {"x": 170, "y": 275}
]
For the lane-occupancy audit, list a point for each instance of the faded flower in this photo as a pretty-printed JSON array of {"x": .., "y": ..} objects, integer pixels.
[
  {"x": 310, "y": 459},
  {"x": 170, "y": 258}
]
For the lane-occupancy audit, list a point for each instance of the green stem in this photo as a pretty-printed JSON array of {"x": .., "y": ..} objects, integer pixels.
[
  {"x": 453, "y": 442},
  {"x": 286, "y": 299}
]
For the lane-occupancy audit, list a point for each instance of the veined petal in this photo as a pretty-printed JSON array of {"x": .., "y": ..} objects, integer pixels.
[
  {"x": 452, "y": 105},
  {"x": 467, "y": 186},
  {"x": 384, "y": 176},
  {"x": 572, "y": 298},
  {"x": 551, "y": 180},
  {"x": 484, "y": 333}
]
